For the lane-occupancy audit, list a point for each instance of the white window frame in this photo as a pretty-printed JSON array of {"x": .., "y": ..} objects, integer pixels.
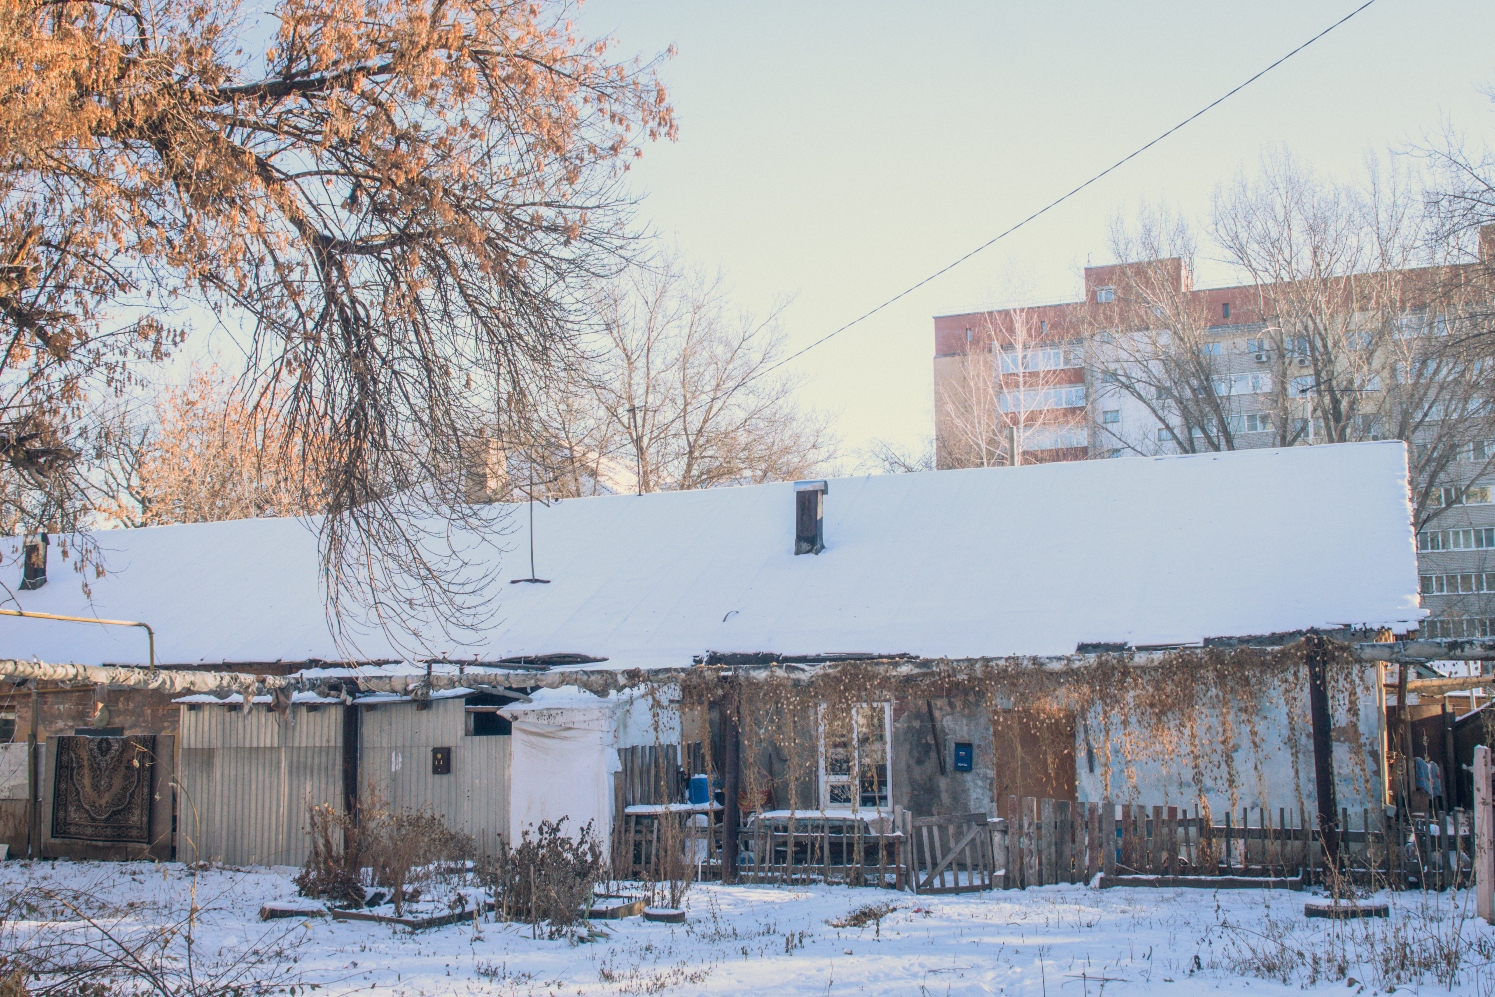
[
  {"x": 854, "y": 780},
  {"x": 1105, "y": 295}
]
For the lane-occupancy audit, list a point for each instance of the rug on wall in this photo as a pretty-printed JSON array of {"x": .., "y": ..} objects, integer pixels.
[{"x": 101, "y": 788}]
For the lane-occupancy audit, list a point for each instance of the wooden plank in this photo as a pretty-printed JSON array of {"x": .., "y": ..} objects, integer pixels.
[
  {"x": 1093, "y": 841},
  {"x": 1158, "y": 849},
  {"x": 1013, "y": 879},
  {"x": 1484, "y": 837},
  {"x": 1030, "y": 842},
  {"x": 1108, "y": 839},
  {"x": 1047, "y": 842},
  {"x": 1064, "y": 853},
  {"x": 1170, "y": 837}
]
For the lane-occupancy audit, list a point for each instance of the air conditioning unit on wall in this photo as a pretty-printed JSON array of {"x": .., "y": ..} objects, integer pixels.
[
  {"x": 1302, "y": 361},
  {"x": 1261, "y": 358}
]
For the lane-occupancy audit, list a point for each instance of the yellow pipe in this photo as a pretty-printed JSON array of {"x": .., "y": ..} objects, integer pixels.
[{"x": 89, "y": 619}]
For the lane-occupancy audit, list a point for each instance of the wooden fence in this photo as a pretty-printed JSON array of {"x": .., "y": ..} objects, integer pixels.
[{"x": 1041, "y": 842}]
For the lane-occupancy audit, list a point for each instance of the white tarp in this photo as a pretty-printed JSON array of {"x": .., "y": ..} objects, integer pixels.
[
  {"x": 13, "y": 771},
  {"x": 563, "y": 761}
]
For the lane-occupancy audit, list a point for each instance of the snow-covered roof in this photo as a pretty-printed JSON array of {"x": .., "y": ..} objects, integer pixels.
[{"x": 1026, "y": 560}]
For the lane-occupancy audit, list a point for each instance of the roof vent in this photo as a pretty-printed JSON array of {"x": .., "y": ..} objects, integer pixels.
[
  {"x": 809, "y": 517},
  {"x": 34, "y": 562}
]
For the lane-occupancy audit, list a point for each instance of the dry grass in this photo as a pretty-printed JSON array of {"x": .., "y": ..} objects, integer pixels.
[
  {"x": 860, "y": 917},
  {"x": 400, "y": 851},
  {"x": 548, "y": 879}
]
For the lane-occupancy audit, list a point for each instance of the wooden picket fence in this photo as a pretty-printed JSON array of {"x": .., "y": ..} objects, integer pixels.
[{"x": 1043, "y": 842}]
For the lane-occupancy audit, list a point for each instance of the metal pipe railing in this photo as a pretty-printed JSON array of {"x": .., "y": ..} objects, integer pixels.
[{"x": 151, "y": 634}]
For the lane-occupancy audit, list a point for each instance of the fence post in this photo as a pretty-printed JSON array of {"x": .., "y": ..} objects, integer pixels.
[
  {"x": 1484, "y": 837},
  {"x": 1030, "y": 842}
]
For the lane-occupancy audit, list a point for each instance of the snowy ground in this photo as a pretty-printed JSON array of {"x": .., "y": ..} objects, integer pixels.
[{"x": 1056, "y": 941}]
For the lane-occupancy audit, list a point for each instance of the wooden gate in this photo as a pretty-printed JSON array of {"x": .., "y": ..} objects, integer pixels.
[{"x": 950, "y": 854}]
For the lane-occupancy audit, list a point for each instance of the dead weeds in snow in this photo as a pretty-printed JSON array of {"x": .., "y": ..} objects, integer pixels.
[{"x": 1425, "y": 939}]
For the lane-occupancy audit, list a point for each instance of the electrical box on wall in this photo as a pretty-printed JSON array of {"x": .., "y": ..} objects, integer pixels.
[
  {"x": 963, "y": 755},
  {"x": 441, "y": 761}
]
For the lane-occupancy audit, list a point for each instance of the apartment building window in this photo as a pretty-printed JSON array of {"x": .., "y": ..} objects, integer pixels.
[
  {"x": 1225, "y": 310},
  {"x": 1105, "y": 295},
  {"x": 1257, "y": 346},
  {"x": 1302, "y": 385},
  {"x": 1243, "y": 384},
  {"x": 1461, "y": 584},
  {"x": 1164, "y": 435},
  {"x": 1435, "y": 628},
  {"x": 7, "y": 726},
  {"x": 1042, "y": 358},
  {"x": 1258, "y": 422},
  {"x": 1110, "y": 416},
  {"x": 1451, "y": 495},
  {"x": 1213, "y": 349},
  {"x": 1478, "y": 538},
  {"x": 1033, "y": 399}
]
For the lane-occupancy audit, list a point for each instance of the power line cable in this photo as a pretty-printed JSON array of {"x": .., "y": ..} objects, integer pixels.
[
  {"x": 1060, "y": 200},
  {"x": 1037, "y": 214}
]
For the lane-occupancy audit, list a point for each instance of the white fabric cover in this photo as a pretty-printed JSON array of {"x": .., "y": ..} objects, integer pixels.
[{"x": 562, "y": 766}]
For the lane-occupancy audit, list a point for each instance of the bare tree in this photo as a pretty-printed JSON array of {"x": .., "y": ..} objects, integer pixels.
[
  {"x": 1352, "y": 328},
  {"x": 685, "y": 390},
  {"x": 404, "y": 204},
  {"x": 887, "y": 457},
  {"x": 197, "y": 455},
  {"x": 1014, "y": 402}
]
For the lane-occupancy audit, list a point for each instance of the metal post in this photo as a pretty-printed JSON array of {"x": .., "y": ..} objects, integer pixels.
[{"x": 1323, "y": 744}]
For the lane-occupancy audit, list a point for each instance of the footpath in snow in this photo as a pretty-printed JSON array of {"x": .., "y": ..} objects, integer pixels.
[{"x": 1065, "y": 941}]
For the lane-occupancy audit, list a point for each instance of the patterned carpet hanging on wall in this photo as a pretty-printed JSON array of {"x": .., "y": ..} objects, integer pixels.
[{"x": 102, "y": 788}]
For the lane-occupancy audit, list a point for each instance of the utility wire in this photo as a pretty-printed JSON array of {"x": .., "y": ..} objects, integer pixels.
[
  {"x": 1037, "y": 214},
  {"x": 1060, "y": 200}
]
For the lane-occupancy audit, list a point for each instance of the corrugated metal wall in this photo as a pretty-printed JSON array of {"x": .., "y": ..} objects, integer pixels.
[
  {"x": 395, "y": 742},
  {"x": 246, "y": 779}
]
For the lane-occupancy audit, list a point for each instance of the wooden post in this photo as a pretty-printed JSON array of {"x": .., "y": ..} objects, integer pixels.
[
  {"x": 1323, "y": 744},
  {"x": 33, "y": 837},
  {"x": 1094, "y": 842},
  {"x": 731, "y": 777},
  {"x": 1064, "y": 854},
  {"x": 1450, "y": 762},
  {"x": 1108, "y": 839},
  {"x": 1405, "y": 739},
  {"x": 1048, "y": 836},
  {"x": 1030, "y": 842},
  {"x": 1484, "y": 837},
  {"x": 1014, "y": 878}
]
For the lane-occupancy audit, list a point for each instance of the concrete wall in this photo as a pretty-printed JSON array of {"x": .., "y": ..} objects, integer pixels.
[
  {"x": 247, "y": 779},
  {"x": 395, "y": 742}
]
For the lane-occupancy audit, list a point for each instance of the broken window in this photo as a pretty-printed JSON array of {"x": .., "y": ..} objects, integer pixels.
[{"x": 854, "y": 756}]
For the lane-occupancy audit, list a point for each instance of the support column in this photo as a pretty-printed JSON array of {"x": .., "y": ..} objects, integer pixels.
[
  {"x": 1323, "y": 744},
  {"x": 731, "y": 775},
  {"x": 1484, "y": 837},
  {"x": 33, "y": 787}
]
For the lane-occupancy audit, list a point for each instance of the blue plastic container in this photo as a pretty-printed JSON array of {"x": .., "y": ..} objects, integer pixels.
[{"x": 700, "y": 789}]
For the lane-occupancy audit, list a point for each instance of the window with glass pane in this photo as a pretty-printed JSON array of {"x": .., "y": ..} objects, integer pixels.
[{"x": 854, "y": 756}]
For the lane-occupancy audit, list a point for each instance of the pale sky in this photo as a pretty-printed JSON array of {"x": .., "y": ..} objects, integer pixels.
[{"x": 839, "y": 152}]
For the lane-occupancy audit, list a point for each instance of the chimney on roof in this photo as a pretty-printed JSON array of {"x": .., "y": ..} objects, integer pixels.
[
  {"x": 34, "y": 562},
  {"x": 809, "y": 517}
]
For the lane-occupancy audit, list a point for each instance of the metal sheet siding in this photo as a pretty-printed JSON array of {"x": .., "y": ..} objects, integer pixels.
[
  {"x": 246, "y": 779},
  {"x": 395, "y": 742}
]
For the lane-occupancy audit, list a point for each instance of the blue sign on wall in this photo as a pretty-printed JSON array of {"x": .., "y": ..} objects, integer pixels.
[{"x": 963, "y": 754}]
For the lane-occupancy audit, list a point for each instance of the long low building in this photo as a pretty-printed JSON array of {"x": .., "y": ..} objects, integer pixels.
[{"x": 994, "y": 564}]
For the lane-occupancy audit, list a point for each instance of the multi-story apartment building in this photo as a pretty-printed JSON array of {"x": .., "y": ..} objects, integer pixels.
[{"x": 1149, "y": 365}]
